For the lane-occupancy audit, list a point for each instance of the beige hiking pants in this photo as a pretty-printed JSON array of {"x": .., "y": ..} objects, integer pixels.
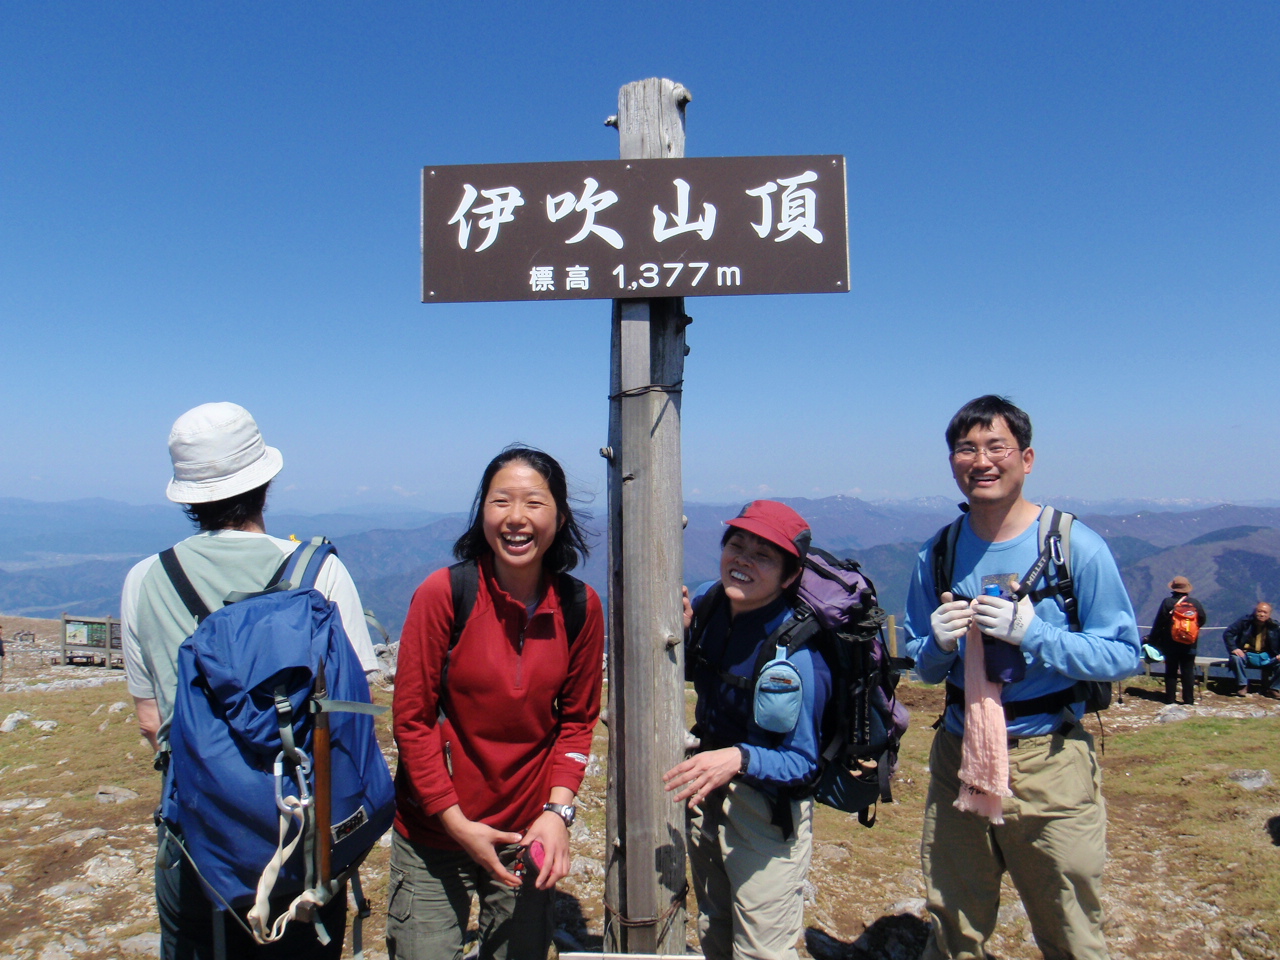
[
  {"x": 748, "y": 879},
  {"x": 1053, "y": 843}
]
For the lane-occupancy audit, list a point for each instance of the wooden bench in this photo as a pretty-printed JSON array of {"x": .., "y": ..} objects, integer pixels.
[{"x": 1204, "y": 665}]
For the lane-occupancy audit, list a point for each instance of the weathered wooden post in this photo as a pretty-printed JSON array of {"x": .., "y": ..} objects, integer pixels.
[{"x": 645, "y": 882}]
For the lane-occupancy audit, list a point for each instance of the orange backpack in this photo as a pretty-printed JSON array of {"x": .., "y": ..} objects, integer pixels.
[{"x": 1185, "y": 627}]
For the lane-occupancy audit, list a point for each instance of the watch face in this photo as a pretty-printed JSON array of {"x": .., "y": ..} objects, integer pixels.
[{"x": 564, "y": 811}]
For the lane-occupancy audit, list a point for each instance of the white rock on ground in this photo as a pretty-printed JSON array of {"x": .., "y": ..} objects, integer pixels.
[
  {"x": 110, "y": 794},
  {"x": 144, "y": 944},
  {"x": 12, "y": 720},
  {"x": 1251, "y": 779}
]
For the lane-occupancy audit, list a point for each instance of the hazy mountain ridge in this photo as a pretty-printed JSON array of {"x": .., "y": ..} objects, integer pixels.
[
  {"x": 1228, "y": 576},
  {"x": 1169, "y": 529},
  {"x": 1230, "y": 552},
  {"x": 35, "y": 533}
]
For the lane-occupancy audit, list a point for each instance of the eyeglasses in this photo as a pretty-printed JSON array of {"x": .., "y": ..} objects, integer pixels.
[{"x": 967, "y": 452}]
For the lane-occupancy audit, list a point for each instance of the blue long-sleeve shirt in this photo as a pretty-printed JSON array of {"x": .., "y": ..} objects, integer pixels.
[
  {"x": 1106, "y": 648},
  {"x": 724, "y": 712}
]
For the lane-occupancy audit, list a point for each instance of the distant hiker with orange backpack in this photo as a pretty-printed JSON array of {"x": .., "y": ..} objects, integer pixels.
[
  {"x": 1174, "y": 633},
  {"x": 497, "y": 696}
]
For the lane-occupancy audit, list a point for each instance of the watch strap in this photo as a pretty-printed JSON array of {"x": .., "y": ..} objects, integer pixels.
[{"x": 565, "y": 811}]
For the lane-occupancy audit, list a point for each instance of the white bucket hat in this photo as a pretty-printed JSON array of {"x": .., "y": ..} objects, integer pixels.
[{"x": 217, "y": 453}]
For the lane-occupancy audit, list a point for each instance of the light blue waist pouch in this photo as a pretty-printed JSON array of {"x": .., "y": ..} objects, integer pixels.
[{"x": 778, "y": 695}]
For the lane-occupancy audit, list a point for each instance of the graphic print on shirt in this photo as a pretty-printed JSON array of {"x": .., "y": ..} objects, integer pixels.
[{"x": 1004, "y": 581}]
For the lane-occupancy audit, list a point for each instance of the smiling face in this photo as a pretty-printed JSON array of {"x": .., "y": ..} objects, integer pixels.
[
  {"x": 752, "y": 571},
  {"x": 983, "y": 480},
  {"x": 1262, "y": 612},
  {"x": 520, "y": 521}
]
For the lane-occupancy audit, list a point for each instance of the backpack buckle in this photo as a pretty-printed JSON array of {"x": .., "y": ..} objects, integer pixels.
[
  {"x": 1055, "y": 550},
  {"x": 301, "y": 771}
]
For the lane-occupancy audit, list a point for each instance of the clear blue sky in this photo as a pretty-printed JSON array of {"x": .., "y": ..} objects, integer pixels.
[{"x": 1076, "y": 204}]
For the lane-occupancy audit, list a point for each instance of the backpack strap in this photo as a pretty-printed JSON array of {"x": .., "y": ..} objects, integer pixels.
[
  {"x": 182, "y": 583},
  {"x": 464, "y": 581},
  {"x": 944, "y": 558},
  {"x": 703, "y": 613},
  {"x": 303, "y": 566},
  {"x": 309, "y": 556},
  {"x": 1054, "y": 536},
  {"x": 786, "y": 638},
  {"x": 573, "y": 605}
]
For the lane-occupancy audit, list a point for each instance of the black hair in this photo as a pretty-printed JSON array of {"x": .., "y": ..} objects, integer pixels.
[
  {"x": 229, "y": 514},
  {"x": 790, "y": 562},
  {"x": 570, "y": 542},
  {"x": 982, "y": 412}
]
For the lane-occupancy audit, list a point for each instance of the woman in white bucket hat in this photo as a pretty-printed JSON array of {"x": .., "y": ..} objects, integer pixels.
[{"x": 221, "y": 471}]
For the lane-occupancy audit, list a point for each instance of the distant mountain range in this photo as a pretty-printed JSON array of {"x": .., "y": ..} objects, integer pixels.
[{"x": 72, "y": 556}]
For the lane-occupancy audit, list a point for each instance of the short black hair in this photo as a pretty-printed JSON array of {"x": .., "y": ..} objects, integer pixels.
[
  {"x": 231, "y": 513},
  {"x": 982, "y": 412},
  {"x": 790, "y": 562},
  {"x": 570, "y": 542}
]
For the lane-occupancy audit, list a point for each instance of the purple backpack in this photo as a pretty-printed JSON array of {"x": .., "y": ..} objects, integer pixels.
[{"x": 864, "y": 722}]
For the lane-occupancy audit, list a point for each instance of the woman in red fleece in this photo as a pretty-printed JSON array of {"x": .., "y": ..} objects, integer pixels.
[{"x": 493, "y": 752}]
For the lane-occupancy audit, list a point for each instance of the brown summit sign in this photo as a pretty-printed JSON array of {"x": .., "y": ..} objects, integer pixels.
[{"x": 611, "y": 229}]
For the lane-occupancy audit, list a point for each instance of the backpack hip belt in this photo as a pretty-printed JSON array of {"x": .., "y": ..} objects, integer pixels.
[{"x": 1017, "y": 709}]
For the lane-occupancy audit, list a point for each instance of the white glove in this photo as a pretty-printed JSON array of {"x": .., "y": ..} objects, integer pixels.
[
  {"x": 1003, "y": 619},
  {"x": 950, "y": 622}
]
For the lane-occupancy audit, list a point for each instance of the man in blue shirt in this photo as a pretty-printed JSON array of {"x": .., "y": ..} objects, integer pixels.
[{"x": 1050, "y": 832}]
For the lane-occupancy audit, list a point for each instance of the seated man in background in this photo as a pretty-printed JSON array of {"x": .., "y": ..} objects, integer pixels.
[{"x": 1257, "y": 634}]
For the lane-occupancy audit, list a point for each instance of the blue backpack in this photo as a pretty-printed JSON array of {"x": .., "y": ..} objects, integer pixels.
[{"x": 259, "y": 682}]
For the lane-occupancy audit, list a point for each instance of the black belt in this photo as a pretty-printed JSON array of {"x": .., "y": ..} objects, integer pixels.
[{"x": 1049, "y": 703}]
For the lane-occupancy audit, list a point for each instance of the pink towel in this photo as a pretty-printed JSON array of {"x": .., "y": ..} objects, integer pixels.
[{"x": 984, "y": 753}]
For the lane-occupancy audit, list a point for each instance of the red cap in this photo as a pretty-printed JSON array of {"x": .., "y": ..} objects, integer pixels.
[{"x": 777, "y": 523}]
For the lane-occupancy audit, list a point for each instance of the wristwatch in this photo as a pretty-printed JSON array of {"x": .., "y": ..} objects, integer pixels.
[
  {"x": 746, "y": 760},
  {"x": 565, "y": 811}
]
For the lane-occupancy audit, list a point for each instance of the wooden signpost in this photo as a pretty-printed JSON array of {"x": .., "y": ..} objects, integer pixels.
[
  {"x": 645, "y": 871},
  {"x": 651, "y": 223}
]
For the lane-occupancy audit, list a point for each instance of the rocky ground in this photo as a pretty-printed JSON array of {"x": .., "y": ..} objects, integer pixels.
[{"x": 76, "y": 840}]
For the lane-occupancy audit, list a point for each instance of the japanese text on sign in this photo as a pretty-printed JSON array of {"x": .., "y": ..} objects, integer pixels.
[{"x": 612, "y": 229}]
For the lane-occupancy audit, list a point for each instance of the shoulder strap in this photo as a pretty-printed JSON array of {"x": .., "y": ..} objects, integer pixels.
[
  {"x": 1054, "y": 537},
  {"x": 702, "y": 615},
  {"x": 944, "y": 556},
  {"x": 788, "y": 637},
  {"x": 573, "y": 604},
  {"x": 464, "y": 581},
  {"x": 182, "y": 583},
  {"x": 302, "y": 567}
]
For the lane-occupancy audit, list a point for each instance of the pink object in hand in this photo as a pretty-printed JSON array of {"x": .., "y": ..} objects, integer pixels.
[{"x": 537, "y": 854}]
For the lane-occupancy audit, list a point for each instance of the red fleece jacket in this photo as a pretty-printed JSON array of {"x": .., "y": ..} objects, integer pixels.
[{"x": 521, "y": 707}]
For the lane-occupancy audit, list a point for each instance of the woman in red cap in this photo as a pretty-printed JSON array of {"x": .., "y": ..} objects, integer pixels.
[{"x": 749, "y": 785}]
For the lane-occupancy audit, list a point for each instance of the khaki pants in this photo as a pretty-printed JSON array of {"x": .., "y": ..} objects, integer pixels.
[
  {"x": 748, "y": 879},
  {"x": 429, "y": 902},
  {"x": 1053, "y": 843}
]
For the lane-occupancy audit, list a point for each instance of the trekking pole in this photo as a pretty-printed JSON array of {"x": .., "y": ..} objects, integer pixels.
[{"x": 323, "y": 792}]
